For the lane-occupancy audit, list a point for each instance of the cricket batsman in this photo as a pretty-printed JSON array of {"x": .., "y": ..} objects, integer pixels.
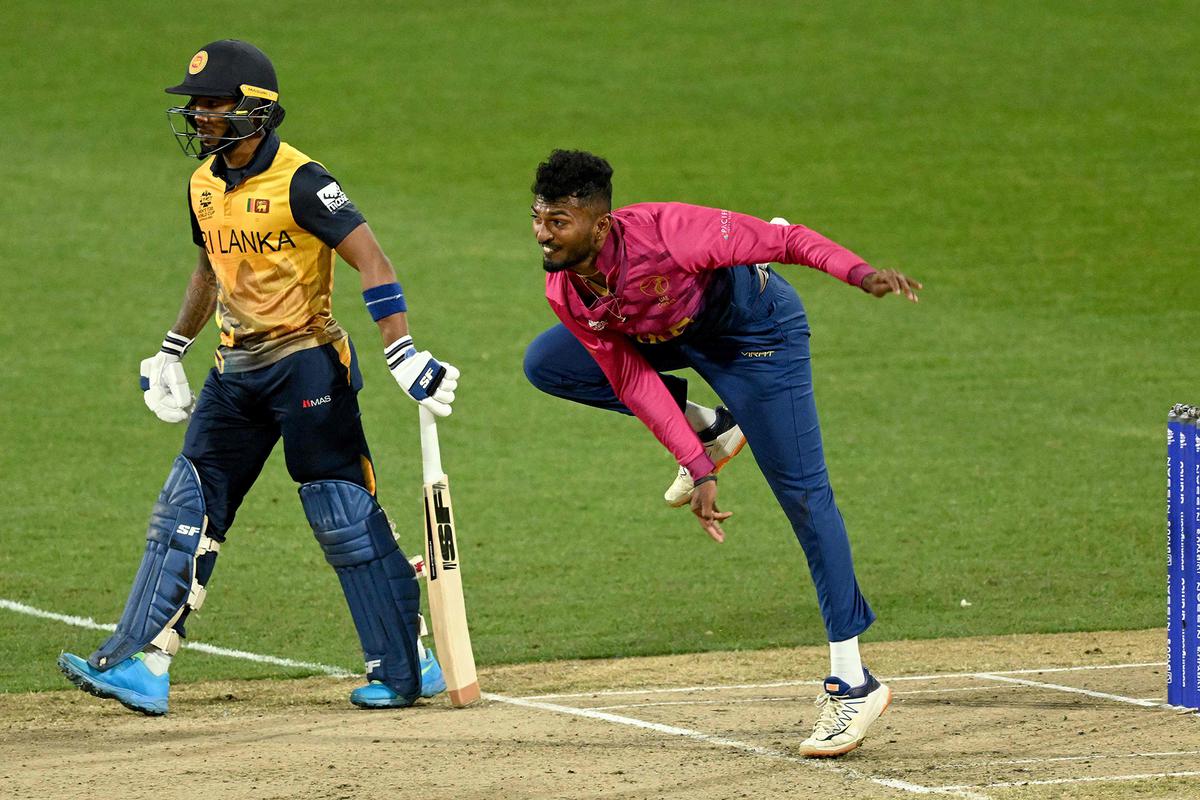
[
  {"x": 266, "y": 220},
  {"x": 654, "y": 287}
]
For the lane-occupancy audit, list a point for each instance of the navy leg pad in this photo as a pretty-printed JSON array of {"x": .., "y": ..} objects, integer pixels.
[
  {"x": 380, "y": 585},
  {"x": 166, "y": 580}
]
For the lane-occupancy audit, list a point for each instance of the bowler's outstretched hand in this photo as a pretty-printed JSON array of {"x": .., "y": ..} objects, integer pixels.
[
  {"x": 704, "y": 506},
  {"x": 889, "y": 281}
]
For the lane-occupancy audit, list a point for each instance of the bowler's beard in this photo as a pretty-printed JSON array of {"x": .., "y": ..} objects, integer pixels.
[{"x": 551, "y": 266}]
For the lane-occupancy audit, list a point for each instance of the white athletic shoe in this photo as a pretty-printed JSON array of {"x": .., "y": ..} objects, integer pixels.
[
  {"x": 846, "y": 713},
  {"x": 722, "y": 441}
]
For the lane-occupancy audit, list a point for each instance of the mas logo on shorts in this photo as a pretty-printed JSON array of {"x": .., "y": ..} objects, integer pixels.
[
  {"x": 258, "y": 206},
  {"x": 199, "y": 62},
  {"x": 333, "y": 197}
]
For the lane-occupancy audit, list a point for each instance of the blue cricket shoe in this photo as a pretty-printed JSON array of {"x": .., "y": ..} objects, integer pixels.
[
  {"x": 131, "y": 683},
  {"x": 378, "y": 695}
]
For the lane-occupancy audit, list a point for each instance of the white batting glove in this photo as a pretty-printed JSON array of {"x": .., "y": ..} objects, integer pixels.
[
  {"x": 164, "y": 383},
  {"x": 426, "y": 380}
]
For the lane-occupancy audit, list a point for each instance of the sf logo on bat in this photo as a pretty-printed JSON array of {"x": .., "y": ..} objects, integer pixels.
[{"x": 442, "y": 525}]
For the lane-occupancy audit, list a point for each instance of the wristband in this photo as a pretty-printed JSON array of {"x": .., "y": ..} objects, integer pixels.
[
  {"x": 712, "y": 476},
  {"x": 175, "y": 344},
  {"x": 383, "y": 301}
]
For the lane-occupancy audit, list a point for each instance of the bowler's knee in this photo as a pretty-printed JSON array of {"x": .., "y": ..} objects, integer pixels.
[{"x": 538, "y": 369}]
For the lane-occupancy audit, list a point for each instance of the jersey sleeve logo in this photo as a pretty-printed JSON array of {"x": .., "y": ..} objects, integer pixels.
[
  {"x": 333, "y": 197},
  {"x": 726, "y": 224}
]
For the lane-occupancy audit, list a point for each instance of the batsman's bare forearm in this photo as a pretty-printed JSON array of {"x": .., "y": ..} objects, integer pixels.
[
  {"x": 361, "y": 251},
  {"x": 199, "y": 301}
]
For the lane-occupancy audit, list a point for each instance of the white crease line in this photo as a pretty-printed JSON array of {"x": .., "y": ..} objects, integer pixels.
[
  {"x": 1056, "y": 781},
  {"x": 721, "y": 741},
  {"x": 893, "y": 679},
  {"x": 679, "y": 689},
  {"x": 1086, "y": 668},
  {"x": 701, "y": 703},
  {"x": 956, "y": 689},
  {"x": 91, "y": 624},
  {"x": 1057, "y": 759},
  {"x": 787, "y": 699},
  {"x": 1072, "y": 689},
  {"x": 338, "y": 672}
]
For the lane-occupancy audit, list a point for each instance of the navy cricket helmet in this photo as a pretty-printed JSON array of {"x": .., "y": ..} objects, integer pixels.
[{"x": 232, "y": 69}]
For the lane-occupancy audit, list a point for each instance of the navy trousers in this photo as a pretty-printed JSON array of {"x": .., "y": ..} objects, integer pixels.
[
  {"x": 751, "y": 345},
  {"x": 309, "y": 399}
]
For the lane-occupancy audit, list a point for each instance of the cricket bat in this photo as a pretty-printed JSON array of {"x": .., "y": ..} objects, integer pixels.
[{"x": 447, "y": 609}]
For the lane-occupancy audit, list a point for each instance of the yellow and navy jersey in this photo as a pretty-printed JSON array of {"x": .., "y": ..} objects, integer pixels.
[{"x": 269, "y": 229}]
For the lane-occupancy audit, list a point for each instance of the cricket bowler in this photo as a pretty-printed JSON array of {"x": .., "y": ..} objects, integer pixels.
[
  {"x": 266, "y": 220},
  {"x": 655, "y": 287}
]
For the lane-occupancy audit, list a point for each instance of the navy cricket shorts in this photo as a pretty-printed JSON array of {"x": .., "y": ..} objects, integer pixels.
[{"x": 309, "y": 399}]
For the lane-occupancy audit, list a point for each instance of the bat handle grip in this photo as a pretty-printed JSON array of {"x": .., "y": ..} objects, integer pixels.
[{"x": 431, "y": 454}]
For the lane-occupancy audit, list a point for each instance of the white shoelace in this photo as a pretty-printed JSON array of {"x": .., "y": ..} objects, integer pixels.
[{"x": 835, "y": 716}]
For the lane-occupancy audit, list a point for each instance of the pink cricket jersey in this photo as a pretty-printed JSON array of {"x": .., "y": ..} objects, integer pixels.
[{"x": 658, "y": 262}]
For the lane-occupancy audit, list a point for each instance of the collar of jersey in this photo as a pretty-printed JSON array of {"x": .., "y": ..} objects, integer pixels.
[
  {"x": 262, "y": 159},
  {"x": 611, "y": 258}
]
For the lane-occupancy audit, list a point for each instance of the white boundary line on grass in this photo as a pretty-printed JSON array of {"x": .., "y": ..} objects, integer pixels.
[
  {"x": 721, "y": 741},
  {"x": 91, "y": 624}
]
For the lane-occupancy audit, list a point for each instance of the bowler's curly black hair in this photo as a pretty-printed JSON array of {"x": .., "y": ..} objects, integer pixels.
[{"x": 577, "y": 174}]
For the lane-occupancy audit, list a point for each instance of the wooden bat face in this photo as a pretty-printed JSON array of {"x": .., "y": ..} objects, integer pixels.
[
  {"x": 439, "y": 527},
  {"x": 447, "y": 609}
]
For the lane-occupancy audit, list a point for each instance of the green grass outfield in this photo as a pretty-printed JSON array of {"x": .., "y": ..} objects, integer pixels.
[{"x": 1002, "y": 441}]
